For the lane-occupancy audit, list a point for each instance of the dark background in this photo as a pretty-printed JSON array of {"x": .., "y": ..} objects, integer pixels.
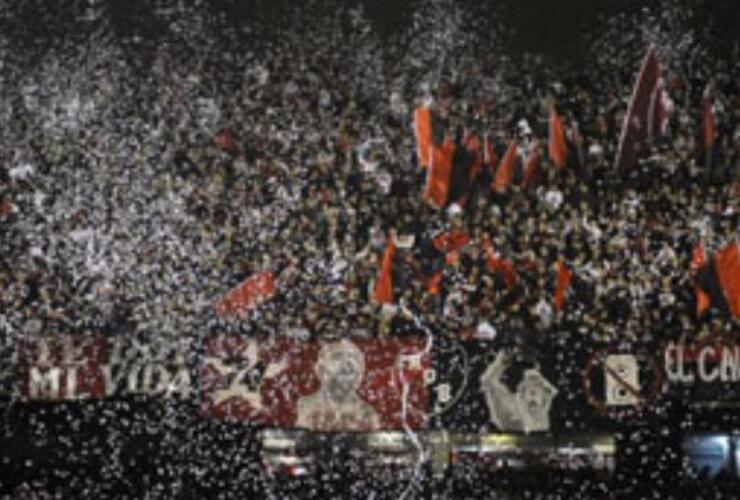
[{"x": 556, "y": 29}]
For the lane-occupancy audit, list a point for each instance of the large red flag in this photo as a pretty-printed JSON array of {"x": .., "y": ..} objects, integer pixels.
[
  {"x": 383, "y": 292},
  {"x": 658, "y": 111},
  {"x": 556, "y": 144},
  {"x": 424, "y": 132},
  {"x": 505, "y": 171},
  {"x": 249, "y": 294},
  {"x": 533, "y": 165},
  {"x": 727, "y": 267},
  {"x": 718, "y": 281},
  {"x": 439, "y": 172},
  {"x": 496, "y": 264},
  {"x": 561, "y": 285},
  {"x": 640, "y": 124}
]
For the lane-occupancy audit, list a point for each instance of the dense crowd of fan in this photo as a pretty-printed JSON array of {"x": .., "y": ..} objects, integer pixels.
[
  {"x": 118, "y": 208},
  {"x": 119, "y": 213}
]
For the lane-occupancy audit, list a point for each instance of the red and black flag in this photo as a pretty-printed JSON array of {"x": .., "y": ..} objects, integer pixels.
[
  {"x": 441, "y": 163},
  {"x": 727, "y": 268},
  {"x": 557, "y": 147},
  {"x": 497, "y": 264},
  {"x": 450, "y": 244},
  {"x": 505, "y": 172},
  {"x": 698, "y": 260},
  {"x": 659, "y": 111},
  {"x": 252, "y": 292},
  {"x": 647, "y": 113},
  {"x": 532, "y": 171},
  {"x": 452, "y": 172},
  {"x": 719, "y": 280},
  {"x": 428, "y": 132},
  {"x": 464, "y": 164},
  {"x": 431, "y": 255}
]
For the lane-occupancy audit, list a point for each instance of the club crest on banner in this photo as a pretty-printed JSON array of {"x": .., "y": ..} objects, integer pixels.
[
  {"x": 622, "y": 384},
  {"x": 622, "y": 380}
]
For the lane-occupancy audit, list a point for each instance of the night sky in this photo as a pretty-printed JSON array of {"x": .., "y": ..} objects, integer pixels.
[{"x": 555, "y": 29}]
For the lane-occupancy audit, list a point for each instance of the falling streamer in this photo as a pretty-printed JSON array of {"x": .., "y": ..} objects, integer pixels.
[{"x": 412, "y": 435}]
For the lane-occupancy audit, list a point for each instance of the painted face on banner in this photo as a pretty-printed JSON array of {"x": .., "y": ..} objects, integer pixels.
[
  {"x": 340, "y": 369},
  {"x": 341, "y": 385}
]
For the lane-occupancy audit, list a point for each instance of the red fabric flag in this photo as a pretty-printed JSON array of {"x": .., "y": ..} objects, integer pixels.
[
  {"x": 659, "y": 111},
  {"x": 383, "y": 292},
  {"x": 249, "y": 294},
  {"x": 727, "y": 267},
  {"x": 557, "y": 147},
  {"x": 496, "y": 264},
  {"x": 639, "y": 122},
  {"x": 698, "y": 259},
  {"x": 533, "y": 165},
  {"x": 451, "y": 242},
  {"x": 226, "y": 140},
  {"x": 708, "y": 131},
  {"x": 562, "y": 284},
  {"x": 702, "y": 301},
  {"x": 439, "y": 172},
  {"x": 505, "y": 171},
  {"x": 424, "y": 135}
]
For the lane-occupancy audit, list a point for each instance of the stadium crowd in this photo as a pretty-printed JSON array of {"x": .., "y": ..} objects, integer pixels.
[
  {"x": 121, "y": 213},
  {"x": 141, "y": 179}
]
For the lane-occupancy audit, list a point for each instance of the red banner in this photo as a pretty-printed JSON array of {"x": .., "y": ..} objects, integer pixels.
[{"x": 346, "y": 385}]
